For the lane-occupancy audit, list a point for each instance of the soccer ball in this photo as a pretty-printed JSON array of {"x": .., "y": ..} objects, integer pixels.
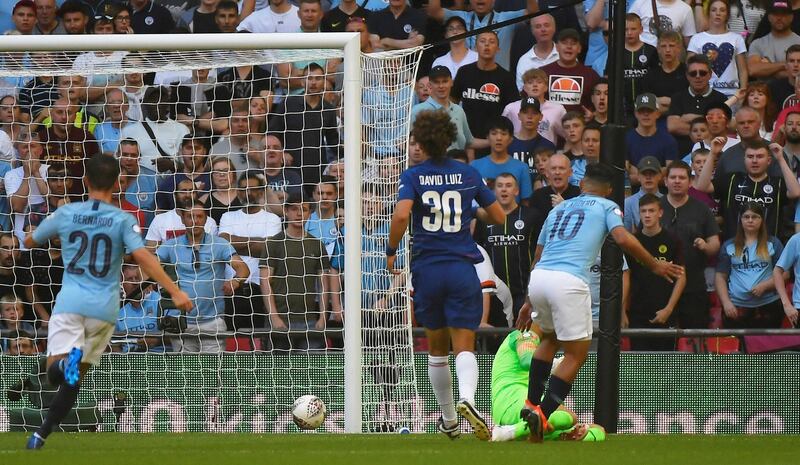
[{"x": 308, "y": 412}]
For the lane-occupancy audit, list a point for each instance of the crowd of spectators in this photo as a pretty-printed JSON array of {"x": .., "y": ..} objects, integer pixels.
[{"x": 235, "y": 175}]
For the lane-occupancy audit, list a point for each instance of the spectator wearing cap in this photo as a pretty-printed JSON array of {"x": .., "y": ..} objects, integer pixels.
[
  {"x": 650, "y": 175},
  {"x": 718, "y": 118},
  {"x": 571, "y": 82},
  {"x": 75, "y": 17},
  {"x": 675, "y": 15},
  {"x": 499, "y": 161},
  {"x": 441, "y": 85},
  {"x": 543, "y": 51},
  {"x": 736, "y": 189},
  {"x": 397, "y": 26},
  {"x": 459, "y": 55},
  {"x": 648, "y": 138},
  {"x": 767, "y": 54},
  {"x": 764, "y": 25},
  {"x": 194, "y": 166},
  {"x": 47, "y": 21},
  {"x": 24, "y": 17},
  {"x": 728, "y": 65},
  {"x": 336, "y": 19},
  {"x": 535, "y": 83},
  {"x": 483, "y": 14},
  {"x": 484, "y": 88},
  {"x": 527, "y": 141},
  {"x": 692, "y": 102},
  {"x": 148, "y": 17}
]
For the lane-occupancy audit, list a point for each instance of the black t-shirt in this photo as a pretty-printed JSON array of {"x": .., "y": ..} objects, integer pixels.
[
  {"x": 384, "y": 24},
  {"x": 540, "y": 200},
  {"x": 736, "y": 190},
  {"x": 650, "y": 293},
  {"x": 684, "y": 102},
  {"x": 152, "y": 19},
  {"x": 232, "y": 87},
  {"x": 637, "y": 65},
  {"x": 203, "y": 23},
  {"x": 336, "y": 20},
  {"x": 664, "y": 84},
  {"x": 782, "y": 93},
  {"x": 688, "y": 222},
  {"x": 511, "y": 246},
  {"x": 483, "y": 94}
]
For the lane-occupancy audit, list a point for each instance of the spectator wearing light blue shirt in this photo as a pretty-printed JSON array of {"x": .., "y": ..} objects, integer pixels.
[
  {"x": 383, "y": 105},
  {"x": 590, "y": 143},
  {"x": 143, "y": 181},
  {"x": 441, "y": 84},
  {"x": 499, "y": 161},
  {"x": 139, "y": 314},
  {"x": 745, "y": 281},
  {"x": 108, "y": 132},
  {"x": 200, "y": 261},
  {"x": 650, "y": 178},
  {"x": 483, "y": 14}
]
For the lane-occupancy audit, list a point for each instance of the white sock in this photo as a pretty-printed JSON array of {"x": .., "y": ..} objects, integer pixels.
[
  {"x": 467, "y": 373},
  {"x": 442, "y": 383}
]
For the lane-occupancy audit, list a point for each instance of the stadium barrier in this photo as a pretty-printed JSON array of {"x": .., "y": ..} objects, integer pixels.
[{"x": 252, "y": 392}]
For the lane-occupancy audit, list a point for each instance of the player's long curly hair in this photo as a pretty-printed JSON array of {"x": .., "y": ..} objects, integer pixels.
[{"x": 434, "y": 132}]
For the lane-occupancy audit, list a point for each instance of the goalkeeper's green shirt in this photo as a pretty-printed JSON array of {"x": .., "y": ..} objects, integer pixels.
[{"x": 510, "y": 376}]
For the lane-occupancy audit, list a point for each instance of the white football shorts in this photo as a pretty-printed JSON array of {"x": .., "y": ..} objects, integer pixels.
[
  {"x": 68, "y": 330},
  {"x": 562, "y": 303}
]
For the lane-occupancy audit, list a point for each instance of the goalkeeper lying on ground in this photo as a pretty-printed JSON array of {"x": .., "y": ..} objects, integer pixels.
[{"x": 510, "y": 389}]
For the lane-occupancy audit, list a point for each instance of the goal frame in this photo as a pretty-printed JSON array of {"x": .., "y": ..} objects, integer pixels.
[{"x": 349, "y": 43}]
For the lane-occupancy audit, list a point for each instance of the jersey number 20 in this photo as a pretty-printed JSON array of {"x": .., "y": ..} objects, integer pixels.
[
  {"x": 83, "y": 238},
  {"x": 445, "y": 211}
]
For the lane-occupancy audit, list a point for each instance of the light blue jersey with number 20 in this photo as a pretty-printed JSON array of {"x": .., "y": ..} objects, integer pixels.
[
  {"x": 574, "y": 233},
  {"x": 94, "y": 237}
]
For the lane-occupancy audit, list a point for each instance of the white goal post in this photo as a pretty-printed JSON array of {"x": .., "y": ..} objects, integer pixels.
[{"x": 176, "y": 53}]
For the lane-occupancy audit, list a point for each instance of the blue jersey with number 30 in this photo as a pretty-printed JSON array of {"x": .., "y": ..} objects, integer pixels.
[
  {"x": 94, "y": 237},
  {"x": 574, "y": 233},
  {"x": 443, "y": 194}
]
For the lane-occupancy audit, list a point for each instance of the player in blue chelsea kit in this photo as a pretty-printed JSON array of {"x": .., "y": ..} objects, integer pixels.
[
  {"x": 558, "y": 289},
  {"x": 437, "y": 195},
  {"x": 94, "y": 237}
]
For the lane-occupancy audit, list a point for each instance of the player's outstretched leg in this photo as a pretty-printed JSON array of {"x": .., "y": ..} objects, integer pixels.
[
  {"x": 467, "y": 373},
  {"x": 442, "y": 384},
  {"x": 67, "y": 369}
]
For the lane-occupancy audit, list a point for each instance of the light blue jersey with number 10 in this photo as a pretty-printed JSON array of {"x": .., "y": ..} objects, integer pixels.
[
  {"x": 574, "y": 233},
  {"x": 94, "y": 237}
]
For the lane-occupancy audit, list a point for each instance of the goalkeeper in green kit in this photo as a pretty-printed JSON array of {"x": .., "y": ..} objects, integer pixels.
[{"x": 510, "y": 389}]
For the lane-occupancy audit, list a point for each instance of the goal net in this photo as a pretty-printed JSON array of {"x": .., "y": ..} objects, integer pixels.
[{"x": 292, "y": 145}]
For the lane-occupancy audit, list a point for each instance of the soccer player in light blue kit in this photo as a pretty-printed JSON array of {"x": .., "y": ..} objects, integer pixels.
[
  {"x": 94, "y": 237},
  {"x": 437, "y": 194},
  {"x": 558, "y": 290}
]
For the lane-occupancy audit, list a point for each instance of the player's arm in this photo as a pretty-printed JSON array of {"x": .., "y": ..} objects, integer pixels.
[
  {"x": 630, "y": 244},
  {"x": 493, "y": 214},
  {"x": 152, "y": 268},
  {"x": 400, "y": 220}
]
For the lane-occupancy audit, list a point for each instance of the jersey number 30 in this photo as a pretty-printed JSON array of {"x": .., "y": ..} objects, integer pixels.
[{"x": 445, "y": 212}]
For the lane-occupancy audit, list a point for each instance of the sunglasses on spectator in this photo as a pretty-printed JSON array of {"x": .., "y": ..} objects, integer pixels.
[{"x": 698, "y": 73}]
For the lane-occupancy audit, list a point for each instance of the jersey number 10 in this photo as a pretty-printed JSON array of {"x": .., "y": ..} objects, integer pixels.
[
  {"x": 445, "y": 212},
  {"x": 562, "y": 223}
]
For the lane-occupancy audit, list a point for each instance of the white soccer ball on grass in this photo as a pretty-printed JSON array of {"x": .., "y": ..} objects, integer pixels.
[{"x": 308, "y": 412}]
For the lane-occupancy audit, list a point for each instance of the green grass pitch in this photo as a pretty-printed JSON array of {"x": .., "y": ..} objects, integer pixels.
[{"x": 386, "y": 449}]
